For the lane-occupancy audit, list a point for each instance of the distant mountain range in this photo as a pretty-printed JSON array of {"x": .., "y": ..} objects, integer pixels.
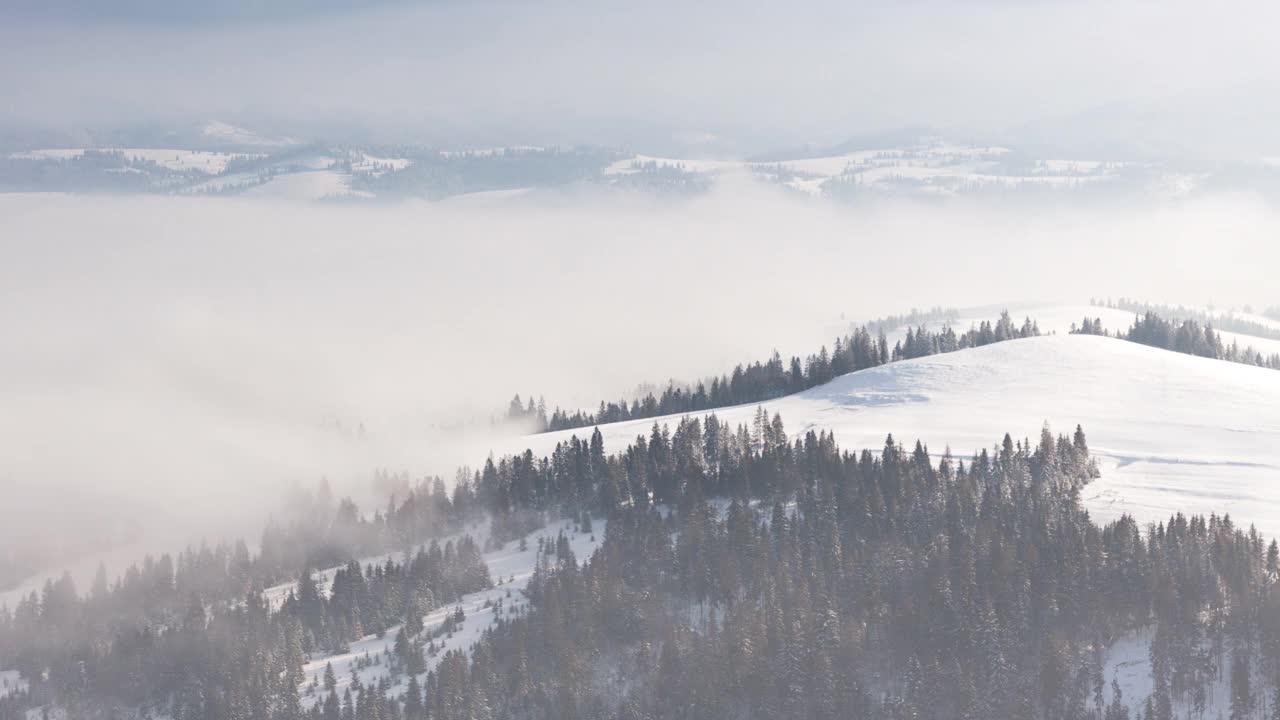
[{"x": 224, "y": 159}]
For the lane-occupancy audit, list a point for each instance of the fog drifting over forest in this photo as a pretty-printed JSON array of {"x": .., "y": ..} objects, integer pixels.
[{"x": 191, "y": 358}]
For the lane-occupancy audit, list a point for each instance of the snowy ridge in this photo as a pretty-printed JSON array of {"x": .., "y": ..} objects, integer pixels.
[{"x": 1172, "y": 432}]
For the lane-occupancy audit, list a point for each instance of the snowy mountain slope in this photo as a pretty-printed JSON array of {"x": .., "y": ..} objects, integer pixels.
[{"x": 1171, "y": 432}]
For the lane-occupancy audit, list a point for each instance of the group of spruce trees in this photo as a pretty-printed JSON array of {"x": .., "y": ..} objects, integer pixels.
[
  {"x": 742, "y": 574},
  {"x": 1187, "y": 336},
  {"x": 1245, "y": 323},
  {"x": 774, "y": 378}
]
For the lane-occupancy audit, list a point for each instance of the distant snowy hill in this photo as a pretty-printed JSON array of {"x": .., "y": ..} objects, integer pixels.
[
  {"x": 227, "y": 134},
  {"x": 228, "y": 159}
]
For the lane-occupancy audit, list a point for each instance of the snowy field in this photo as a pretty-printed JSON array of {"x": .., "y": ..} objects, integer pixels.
[{"x": 1171, "y": 432}]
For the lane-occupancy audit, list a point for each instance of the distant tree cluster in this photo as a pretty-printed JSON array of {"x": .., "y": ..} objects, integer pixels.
[
  {"x": 774, "y": 378},
  {"x": 91, "y": 171},
  {"x": 921, "y": 342},
  {"x": 435, "y": 175},
  {"x": 754, "y": 382},
  {"x": 1227, "y": 321},
  {"x": 661, "y": 179},
  {"x": 1188, "y": 337}
]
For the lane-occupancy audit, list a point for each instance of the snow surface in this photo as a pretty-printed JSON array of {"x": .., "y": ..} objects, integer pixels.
[{"x": 1171, "y": 432}]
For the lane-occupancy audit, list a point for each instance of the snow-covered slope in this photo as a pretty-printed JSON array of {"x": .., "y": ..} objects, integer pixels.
[{"x": 1172, "y": 432}]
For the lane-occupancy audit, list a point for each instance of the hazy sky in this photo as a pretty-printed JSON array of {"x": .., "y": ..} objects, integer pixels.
[{"x": 1175, "y": 74}]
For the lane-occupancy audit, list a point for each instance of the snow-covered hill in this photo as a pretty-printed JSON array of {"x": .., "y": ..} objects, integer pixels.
[
  {"x": 227, "y": 134},
  {"x": 1172, "y": 432}
]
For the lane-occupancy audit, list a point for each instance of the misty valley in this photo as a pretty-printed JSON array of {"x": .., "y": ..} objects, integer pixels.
[{"x": 564, "y": 360}]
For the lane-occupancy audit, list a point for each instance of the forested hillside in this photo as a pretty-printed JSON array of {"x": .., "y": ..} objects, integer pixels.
[{"x": 743, "y": 574}]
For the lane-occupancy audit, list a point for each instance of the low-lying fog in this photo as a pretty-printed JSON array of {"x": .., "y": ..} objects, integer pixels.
[{"x": 168, "y": 366}]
